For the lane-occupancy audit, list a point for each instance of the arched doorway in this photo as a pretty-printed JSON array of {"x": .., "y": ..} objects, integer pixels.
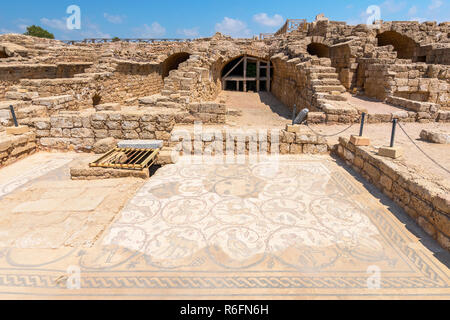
[
  {"x": 247, "y": 73},
  {"x": 405, "y": 46},
  {"x": 318, "y": 49},
  {"x": 174, "y": 61},
  {"x": 3, "y": 54}
]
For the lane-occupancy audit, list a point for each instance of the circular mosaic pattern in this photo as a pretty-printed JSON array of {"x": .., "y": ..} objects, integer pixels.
[
  {"x": 175, "y": 247},
  {"x": 337, "y": 213},
  {"x": 304, "y": 248},
  {"x": 286, "y": 212},
  {"x": 236, "y": 247},
  {"x": 236, "y": 212},
  {"x": 232, "y": 171},
  {"x": 185, "y": 211},
  {"x": 245, "y": 187},
  {"x": 281, "y": 188},
  {"x": 131, "y": 237},
  {"x": 140, "y": 210}
]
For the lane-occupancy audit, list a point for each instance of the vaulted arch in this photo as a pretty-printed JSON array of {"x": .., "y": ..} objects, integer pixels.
[
  {"x": 318, "y": 49},
  {"x": 173, "y": 62},
  {"x": 405, "y": 46}
]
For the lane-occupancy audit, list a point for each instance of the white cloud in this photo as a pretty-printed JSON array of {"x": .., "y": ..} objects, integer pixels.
[
  {"x": 88, "y": 29},
  {"x": 435, "y": 4},
  {"x": 361, "y": 19},
  {"x": 262, "y": 18},
  {"x": 22, "y": 27},
  {"x": 58, "y": 24},
  {"x": 153, "y": 31},
  {"x": 233, "y": 27},
  {"x": 2, "y": 30},
  {"x": 116, "y": 19},
  {"x": 418, "y": 19},
  {"x": 190, "y": 33},
  {"x": 392, "y": 6},
  {"x": 412, "y": 11},
  {"x": 91, "y": 30}
]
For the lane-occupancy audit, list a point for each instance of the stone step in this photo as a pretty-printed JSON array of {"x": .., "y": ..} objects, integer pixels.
[
  {"x": 53, "y": 101},
  {"x": 322, "y": 70},
  {"x": 327, "y": 82},
  {"x": 332, "y": 97},
  {"x": 328, "y": 76},
  {"x": 149, "y": 100},
  {"x": 170, "y": 105},
  {"x": 339, "y": 88},
  {"x": 17, "y": 104},
  {"x": 108, "y": 107},
  {"x": 15, "y": 95}
]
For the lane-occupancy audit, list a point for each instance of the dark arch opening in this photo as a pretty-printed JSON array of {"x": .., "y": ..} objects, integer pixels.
[
  {"x": 3, "y": 54},
  {"x": 319, "y": 50},
  {"x": 256, "y": 77},
  {"x": 173, "y": 62},
  {"x": 404, "y": 45}
]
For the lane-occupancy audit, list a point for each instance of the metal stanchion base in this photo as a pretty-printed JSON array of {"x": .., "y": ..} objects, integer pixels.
[
  {"x": 360, "y": 141},
  {"x": 389, "y": 152},
  {"x": 293, "y": 128}
]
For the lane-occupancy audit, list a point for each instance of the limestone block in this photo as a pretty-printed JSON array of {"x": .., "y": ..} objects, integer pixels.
[
  {"x": 435, "y": 136},
  {"x": 17, "y": 130},
  {"x": 167, "y": 156},
  {"x": 389, "y": 152},
  {"x": 359, "y": 141}
]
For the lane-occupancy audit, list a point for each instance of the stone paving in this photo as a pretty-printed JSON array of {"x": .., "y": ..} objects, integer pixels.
[{"x": 300, "y": 227}]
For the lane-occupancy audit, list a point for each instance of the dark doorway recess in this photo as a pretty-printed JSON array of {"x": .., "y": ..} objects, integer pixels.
[
  {"x": 173, "y": 62},
  {"x": 247, "y": 73}
]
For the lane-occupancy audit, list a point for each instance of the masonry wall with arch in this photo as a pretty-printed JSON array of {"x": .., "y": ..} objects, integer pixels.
[
  {"x": 318, "y": 49},
  {"x": 173, "y": 62}
]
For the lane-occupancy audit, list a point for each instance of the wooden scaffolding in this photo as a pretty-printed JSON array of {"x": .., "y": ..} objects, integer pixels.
[{"x": 262, "y": 76}]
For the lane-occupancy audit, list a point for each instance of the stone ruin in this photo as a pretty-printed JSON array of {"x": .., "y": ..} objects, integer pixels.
[{"x": 84, "y": 96}]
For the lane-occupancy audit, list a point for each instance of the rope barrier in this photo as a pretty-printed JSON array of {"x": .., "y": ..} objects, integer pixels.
[
  {"x": 329, "y": 135},
  {"x": 421, "y": 150}
]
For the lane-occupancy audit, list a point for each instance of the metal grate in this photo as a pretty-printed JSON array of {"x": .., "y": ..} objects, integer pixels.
[{"x": 130, "y": 159}]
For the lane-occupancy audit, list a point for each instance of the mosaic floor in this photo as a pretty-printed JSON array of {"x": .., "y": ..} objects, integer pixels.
[{"x": 300, "y": 227}]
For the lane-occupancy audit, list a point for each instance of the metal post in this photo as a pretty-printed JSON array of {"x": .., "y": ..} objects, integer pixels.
[
  {"x": 394, "y": 128},
  {"x": 13, "y": 114},
  {"x": 294, "y": 114},
  {"x": 363, "y": 119}
]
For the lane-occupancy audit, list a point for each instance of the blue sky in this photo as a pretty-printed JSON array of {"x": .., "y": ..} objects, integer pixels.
[{"x": 198, "y": 18}]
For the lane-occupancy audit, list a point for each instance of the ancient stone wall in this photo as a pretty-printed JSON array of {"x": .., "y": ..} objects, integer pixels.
[
  {"x": 216, "y": 142},
  {"x": 15, "y": 147},
  {"x": 80, "y": 130},
  {"x": 291, "y": 83},
  {"x": 424, "y": 199}
]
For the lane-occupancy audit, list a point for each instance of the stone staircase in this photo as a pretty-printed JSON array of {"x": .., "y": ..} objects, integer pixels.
[{"x": 325, "y": 84}]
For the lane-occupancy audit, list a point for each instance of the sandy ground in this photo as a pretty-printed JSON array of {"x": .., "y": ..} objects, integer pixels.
[
  {"x": 43, "y": 208},
  {"x": 257, "y": 109}
]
